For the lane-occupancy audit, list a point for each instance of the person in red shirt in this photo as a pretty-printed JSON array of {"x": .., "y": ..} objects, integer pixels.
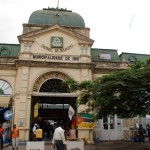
[
  {"x": 15, "y": 137},
  {"x": 1, "y": 135}
]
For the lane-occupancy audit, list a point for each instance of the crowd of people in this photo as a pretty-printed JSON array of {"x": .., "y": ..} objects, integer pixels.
[
  {"x": 56, "y": 131},
  {"x": 14, "y": 136},
  {"x": 58, "y": 136},
  {"x": 141, "y": 133},
  {"x": 47, "y": 130}
]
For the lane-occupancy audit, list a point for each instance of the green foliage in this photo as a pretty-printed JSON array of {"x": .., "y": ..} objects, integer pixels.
[
  {"x": 125, "y": 93},
  {"x": 72, "y": 84},
  {"x": 148, "y": 62},
  {"x": 137, "y": 65}
]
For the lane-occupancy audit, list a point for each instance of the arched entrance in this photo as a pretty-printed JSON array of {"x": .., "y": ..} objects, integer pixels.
[
  {"x": 50, "y": 102},
  {"x": 54, "y": 86}
]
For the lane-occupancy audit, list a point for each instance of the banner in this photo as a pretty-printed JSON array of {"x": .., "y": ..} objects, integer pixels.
[
  {"x": 71, "y": 112},
  {"x": 86, "y": 120},
  {"x": 74, "y": 121},
  {"x": 36, "y": 106}
]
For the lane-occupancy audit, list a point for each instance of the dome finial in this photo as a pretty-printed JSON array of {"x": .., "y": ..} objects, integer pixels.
[{"x": 57, "y": 10}]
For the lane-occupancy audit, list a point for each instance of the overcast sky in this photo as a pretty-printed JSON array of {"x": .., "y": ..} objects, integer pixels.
[{"x": 115, "y": 24}]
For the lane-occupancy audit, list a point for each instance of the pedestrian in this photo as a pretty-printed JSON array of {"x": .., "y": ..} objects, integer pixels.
[
  {"x": 39, "y": 133},
  {"x": 48, "y": 130},
  {"x": 141, "y": 132},
  {"x": 59, "y": 137},
  {"x": 54, "y": 125},
  {"x": 15, "y": 137},
  {"x": 34, "y": 132},
  {"x": 6, "y": 135},
  {"x": 1, "y": 135},
  {"x": 148, "y": 132}
]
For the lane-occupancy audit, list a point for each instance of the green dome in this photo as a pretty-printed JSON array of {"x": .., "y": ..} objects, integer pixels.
[{"x": 52, "y": 16}]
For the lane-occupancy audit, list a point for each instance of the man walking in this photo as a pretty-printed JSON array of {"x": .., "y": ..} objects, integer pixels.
[
  {"x": 59, "y": 137},
  {"x": 15, "y": 137},
  {"x": 141, "y": 133},
  {"x": 148, "y": 132},
  {"x": 34, "y": 132},
  {"x": 1, "y": 135}
]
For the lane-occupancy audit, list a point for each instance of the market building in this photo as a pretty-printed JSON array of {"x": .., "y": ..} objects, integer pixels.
[{"x": 55, "y": 46}]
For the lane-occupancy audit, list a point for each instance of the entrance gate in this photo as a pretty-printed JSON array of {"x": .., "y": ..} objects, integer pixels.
[{"x": 109, "y": 128}]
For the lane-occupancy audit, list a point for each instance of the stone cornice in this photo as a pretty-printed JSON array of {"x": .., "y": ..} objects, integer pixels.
[
  {"x": 7, "y": 66},
  {"x": 53, "y": 64}
]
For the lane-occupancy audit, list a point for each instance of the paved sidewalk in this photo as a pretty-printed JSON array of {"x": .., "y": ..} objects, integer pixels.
[{"x": 107, "y": 145}]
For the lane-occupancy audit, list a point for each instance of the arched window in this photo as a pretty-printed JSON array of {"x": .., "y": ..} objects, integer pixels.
[
  {"x": 54, "y": 86},
  {"x": 5, "y": 88},
  {"x": 132, "y": 59}
]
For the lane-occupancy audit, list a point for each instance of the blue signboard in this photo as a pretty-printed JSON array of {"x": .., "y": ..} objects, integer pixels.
[{"x": 8, "y": 115}]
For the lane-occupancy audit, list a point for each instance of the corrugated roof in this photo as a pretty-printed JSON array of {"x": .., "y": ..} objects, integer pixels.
[
  {"x": 11, "y": 50},
  {"x": 95, "y": 54},
  {"x": 132, "y": 57}
]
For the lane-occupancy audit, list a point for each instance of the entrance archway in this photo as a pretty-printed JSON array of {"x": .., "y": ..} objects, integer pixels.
[
  {"x": 51, "y": 100},
  {"x": 47, "y": 76}
]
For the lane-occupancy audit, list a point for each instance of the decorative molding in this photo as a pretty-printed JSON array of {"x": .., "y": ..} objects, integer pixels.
[
  {"x": 84, "y": 48},
  {"x": 47, "y": 76},
  {"x": 25, "y": 70},
  {"x": 56, "y": 50},
  {"x": 27, "y": 46}
]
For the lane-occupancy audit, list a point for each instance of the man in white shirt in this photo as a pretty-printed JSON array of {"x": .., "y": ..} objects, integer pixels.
[
  {"x": 34, "y": 128},
  {"x": 34, "y": 132},
  {"x": 59, "y": 137}
]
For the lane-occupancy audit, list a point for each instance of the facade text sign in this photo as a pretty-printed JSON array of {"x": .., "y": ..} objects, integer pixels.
[
  {"x": 57, "y": 50},
  {"x": 53, "y": 57}
]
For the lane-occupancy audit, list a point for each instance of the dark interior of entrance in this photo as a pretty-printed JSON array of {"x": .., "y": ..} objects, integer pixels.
[{"x": 51, "y": 110}]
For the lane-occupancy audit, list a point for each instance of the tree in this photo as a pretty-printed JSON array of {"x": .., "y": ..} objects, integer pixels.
[{"x": 125, "y": 93}]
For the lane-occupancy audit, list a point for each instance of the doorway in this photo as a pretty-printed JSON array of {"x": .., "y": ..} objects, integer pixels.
[
  {"x": 112, "y": 128},
  {"x": 50, "y": 105},
  {"x": 51, "y": 110},
  {"x": 109, "y": 128}
]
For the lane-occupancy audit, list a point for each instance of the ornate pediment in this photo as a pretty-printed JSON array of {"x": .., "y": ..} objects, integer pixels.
[{"x": 34, "y": 34}]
